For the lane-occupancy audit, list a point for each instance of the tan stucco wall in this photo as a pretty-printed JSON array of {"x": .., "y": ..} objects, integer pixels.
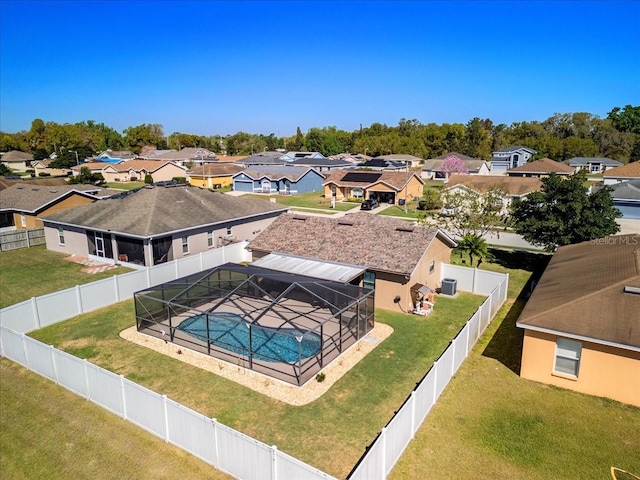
[
  {"x": 209, "y": 182},
  {"x": 604, "y": 371},
  {"x": 168, "y": 172},
  {"x": 32, "y": 220},
  {"x": 75, "y": 241}
]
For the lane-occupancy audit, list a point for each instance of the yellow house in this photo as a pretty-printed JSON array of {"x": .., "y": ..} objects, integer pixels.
[
  {"x": 386, "y": 187},
  {"x": 582, "y": 322},
  {"x": 213, "y": 175},
  {"x": 21, "y": 204},
  {"x": 393, "y": 254}
]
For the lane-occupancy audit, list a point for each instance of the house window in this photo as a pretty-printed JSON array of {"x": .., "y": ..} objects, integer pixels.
[
  {"x": 568, "y": 354},
  {"x": 228, "y": 230},
  {"x": 595, "y": 167},
  {"x": 23, "y": 220},
  {"x": 60, "y": 236},
  {"x": 515, "y": 160},
  {"x": 369, "y": 280},
  {"x": 185, "y": 244},
  {"x": 432, "y": 266},
  {"x": 210, "y": 238}
]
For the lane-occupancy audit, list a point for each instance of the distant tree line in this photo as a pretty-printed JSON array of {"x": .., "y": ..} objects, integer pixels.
[{"x": 560, "y": 137}]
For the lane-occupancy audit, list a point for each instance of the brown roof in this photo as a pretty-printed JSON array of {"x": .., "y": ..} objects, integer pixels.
[
  {"x": 92, "y": 165},
  {"x": 630, "y": 170},
  {"x": 544, "y": 165},
  {"x": 395, "y": 180},
  {"x": 16, "y": 156},
  {"x": 379, "y": 243},
  {"x": 515, "y": 186},
  {"x": 27, "y": 197},
  {"x": 48, "y": 181},
  {"x": 139, "y": 165},
  {"x": 215, "y": 170},
  {"x": 582, "y": 292}
]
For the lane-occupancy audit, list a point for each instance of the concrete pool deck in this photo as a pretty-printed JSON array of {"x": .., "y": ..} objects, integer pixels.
[{"x": 264, "y": 384}]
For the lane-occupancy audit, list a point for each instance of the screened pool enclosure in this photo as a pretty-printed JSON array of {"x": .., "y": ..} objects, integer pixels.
[{"x": 283, "y": 325}]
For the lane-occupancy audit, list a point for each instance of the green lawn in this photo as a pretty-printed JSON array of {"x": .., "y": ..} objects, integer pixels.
[
  {"x": 337, "y": 427},
  {"x": 124, "y": 185},
  {"x": 312, "y": 200},
  {"x": 489, "y": 423},
  {"x": 35, "y": 271}
]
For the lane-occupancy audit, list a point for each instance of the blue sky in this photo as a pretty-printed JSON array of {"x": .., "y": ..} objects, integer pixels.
[{"x": 215, "y": 67}]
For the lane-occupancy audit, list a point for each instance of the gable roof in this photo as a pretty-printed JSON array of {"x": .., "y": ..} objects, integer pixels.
[
  {"x": 464, "y": 158},
  {"x": 515, "y": 148},
  {"x": 575, "y": 161},
  {"x": 582, "y": 292},
  {"x": 277, "y": 172},
  {"x": 320, "y": 162},
  {"x": 382, "y": 163},
  {"x": 187, "y": 153},
  {"x": 379, "y": 243},
  {"x": 30, "y": 198},
  {"x": 630, "y": 170},
  {"x": 515, "y": 186},
  {"x": 151, "y": 211},
  {"x": 629, "y": 190},
  {"x": 146, "y": 165},
  {"x": 16, "y": 156},
  {"x": 365, "y": 179},
  {"x": 215, "y": 170},
  {"x": 264, "y": 158},
  {"x": 435, "y": 164},
  {"x": 399, "y": 157},
  {"x": 544, "y": 165}
]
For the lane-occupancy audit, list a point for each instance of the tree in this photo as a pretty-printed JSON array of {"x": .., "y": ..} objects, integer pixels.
[
  {"x": 146, "y": 134},
  {"x": 4, "y": 170},
  {"x": 474, "y": 246},
  {"x": 563, "y": 212},
  {"x": 86, "y": 177},
  {"x": 627, "y": 119},
  {"x": 148, "y": 179},
  {"x": 453, "y": 164},
  {"x": 466, "y": 211}
]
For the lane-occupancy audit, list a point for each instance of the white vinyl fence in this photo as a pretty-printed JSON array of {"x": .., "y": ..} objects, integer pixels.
[
  {"x": 394, "y": 438},
  {"x": 226, "y": 449}
]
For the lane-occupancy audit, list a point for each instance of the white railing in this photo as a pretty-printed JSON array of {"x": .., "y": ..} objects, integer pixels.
[{"x": 393, "y": 439}]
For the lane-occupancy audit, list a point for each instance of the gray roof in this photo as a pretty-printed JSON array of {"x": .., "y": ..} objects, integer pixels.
[
  {"x": 400, "y": 157},
  {"x": 276, "y": 172},
  {"x": 264, "y": 158},
  {"x": 435, "y": 164},
  {"x": 514, "y": 148},
  {"x": 587, "y": 160},
  {"x": 321, "y": 162},
  {"x": 186, "y": 154},
  {"x": 16, "y": 156},
  {"x": 152, "y": 211},
  {"x": 30, "y": 198},
  {"x": 629, "y": 190},
  {"x": 379, "y": 243},
  {"x": 337, "y": 272}
]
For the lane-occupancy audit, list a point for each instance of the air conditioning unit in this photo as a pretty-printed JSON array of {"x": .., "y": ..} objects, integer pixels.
[{"x": 449, "y": 286}]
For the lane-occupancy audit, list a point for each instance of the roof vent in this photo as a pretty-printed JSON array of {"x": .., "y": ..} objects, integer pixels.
[
  {"x": 345, "y": 222},
  {"x": 299, "y": 217},
  {"x": 408, "y": 228},
  {"x": 632, "y": 290},
  {"x": 53, "y": 190}
]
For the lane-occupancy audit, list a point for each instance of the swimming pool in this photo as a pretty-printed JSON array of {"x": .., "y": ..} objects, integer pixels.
[{"x": 230, "y": 331}]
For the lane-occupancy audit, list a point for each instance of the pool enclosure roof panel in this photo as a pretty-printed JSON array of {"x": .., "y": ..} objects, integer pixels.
[{"x": 335, "y": 272}]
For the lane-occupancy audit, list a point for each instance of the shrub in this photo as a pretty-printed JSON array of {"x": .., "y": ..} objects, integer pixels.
[
  {"x": 179, "y": 179},
  {"x": 44, "y": 174},
  {"x": 320, "y": 377},
  {"x": 148, "y": 179}
]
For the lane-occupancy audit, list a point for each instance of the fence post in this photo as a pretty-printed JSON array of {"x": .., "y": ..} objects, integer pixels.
[
  {"x": 36, "y": 315},
  {"x": 413, "y": 414},
  {"x": 28, "y": 245},
  {"x": 452, "y": 345},
  {"x": 214, "y": 424},
  {"x": 124, "y": 398},
  {"x": 116, "y": 286},
  {"x": 53, "y": 364},
  {"x": 148, "y": 277},
  {"x": 166, "y": 418},
  {"x": 475, "y": 280},
  {"x": 24, "y": 348},
  {"x": 435, "y": 382},
  {"x": 85, "y": 365},
  {"x": 383, "y": 439},
  {"x": 177, "y": 270},
  {"x": 201, "y": 261},
  {"x": 79, "y": 299},
  {"x": 274, "y": 456}
]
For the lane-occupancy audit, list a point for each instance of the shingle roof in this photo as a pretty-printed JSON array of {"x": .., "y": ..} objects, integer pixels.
[
  {"x": 186, "y": 154},
  {"x": 516, "y": 186},
  {"x": 630, "y": 170},
  {"x": 382, "y": 163},
  {"x": 320, "y": 162},
  {"x": 152, "y": 211},
  {"x": 514, "y": 148},
  {"x": 16, "y": 156},
  {"x": 464, "y": 158},
  {"x": 32, "y": 198},
  {"x": 582, "y": 292},
  {"x": 379, "y": 243},
  {"x": 544, "y": 165},
  {"x": 277, "y": 172},
  {"x": 215, "y": 170},
  {"x": 395, "y": 180},
  {"x": 586, "y": 160},
  {"x": 629, "y": 190},
  {"x": 400, "y": 157},
  {"x": 435, "y": 164},
  {"x": 139, "y": 165}
]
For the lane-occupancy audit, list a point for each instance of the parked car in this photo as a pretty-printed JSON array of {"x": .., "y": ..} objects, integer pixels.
[{"x": 369, "y": 204}]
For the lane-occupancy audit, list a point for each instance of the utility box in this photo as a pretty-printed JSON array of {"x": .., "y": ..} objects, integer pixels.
[{"x": 449, "y": 286}]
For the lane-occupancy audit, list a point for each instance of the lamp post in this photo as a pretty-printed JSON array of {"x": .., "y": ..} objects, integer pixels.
[{"x": 76, "y": 152}]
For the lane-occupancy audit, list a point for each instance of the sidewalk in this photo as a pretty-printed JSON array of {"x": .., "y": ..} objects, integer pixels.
[{"x": 91, "y": 266}]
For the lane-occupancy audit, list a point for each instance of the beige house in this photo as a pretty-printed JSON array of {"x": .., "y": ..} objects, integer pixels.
[
  {"x": 213, "y": 175},
  {"x": 630, "y": 171},
  {"x": 582, "y": 322},
  {"x": 136, "y": 170},
  {"x": 394, "y": 254},
  {"x": 42, "y": 166},
  {"x": 384, "y": 186},
  {"x": 540, "y": 168},
  {"x": 16, "y": 160}
]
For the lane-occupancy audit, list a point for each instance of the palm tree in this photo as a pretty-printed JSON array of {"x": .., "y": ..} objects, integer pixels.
[{"x": 474, "y": 246}]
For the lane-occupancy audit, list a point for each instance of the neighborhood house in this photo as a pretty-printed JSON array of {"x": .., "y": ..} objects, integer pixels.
[{"x": 383, "y": 186}]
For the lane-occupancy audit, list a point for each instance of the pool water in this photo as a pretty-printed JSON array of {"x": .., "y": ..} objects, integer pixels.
[{"x": 230, "y": 331}]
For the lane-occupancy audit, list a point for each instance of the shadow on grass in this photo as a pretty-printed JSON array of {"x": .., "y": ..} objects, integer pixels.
[{"x": 506, "y": 343}]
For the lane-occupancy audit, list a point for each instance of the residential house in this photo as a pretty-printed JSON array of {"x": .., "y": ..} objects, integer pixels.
[
  {"x": 514, "y": 188},
  {"x": 395, "y": 254},
  {"x": 623, "y": 173},
  {"x": 593, "y": 164},
  {"x": 155, "y": 224},
  {"x": 213, "y": 175},
  {"x": 384, "y": 164},
  {"x": 16, "y": 160},
  {"x": 322, "y": 164},
  {"x": 353, "y": 158},
  {"x": 94, "y": 167},
  {"x": 432, "y": 167},
  {"x": 540, "y": 168},
  {"x": 582, "y": 321},
  {"x": 509, "y": 157},
  {"x": 43, "y": 167},
  {"x": 21, "y": 204},
  {"x": 268, "y": 158},
  {"x": 280, "y": 179},
  {"x": 384, "y": 186},
  {"x": 291, "y": 156},
  {"x": 188, "y": 156},
  {"x": 137, "y": 170},
  {"x": 626, "y": 198},
  {"x": 410, "y": 161}
]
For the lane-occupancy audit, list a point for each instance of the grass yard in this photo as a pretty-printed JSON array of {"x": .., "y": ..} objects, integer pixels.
[
  {"x": 489, "y": 423},
  {"x": 35, "y": 271},
  {"x": 330, "y": 433},
  {"x": 312, "y": 200},
  {"x": 48, "y": 432}
]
